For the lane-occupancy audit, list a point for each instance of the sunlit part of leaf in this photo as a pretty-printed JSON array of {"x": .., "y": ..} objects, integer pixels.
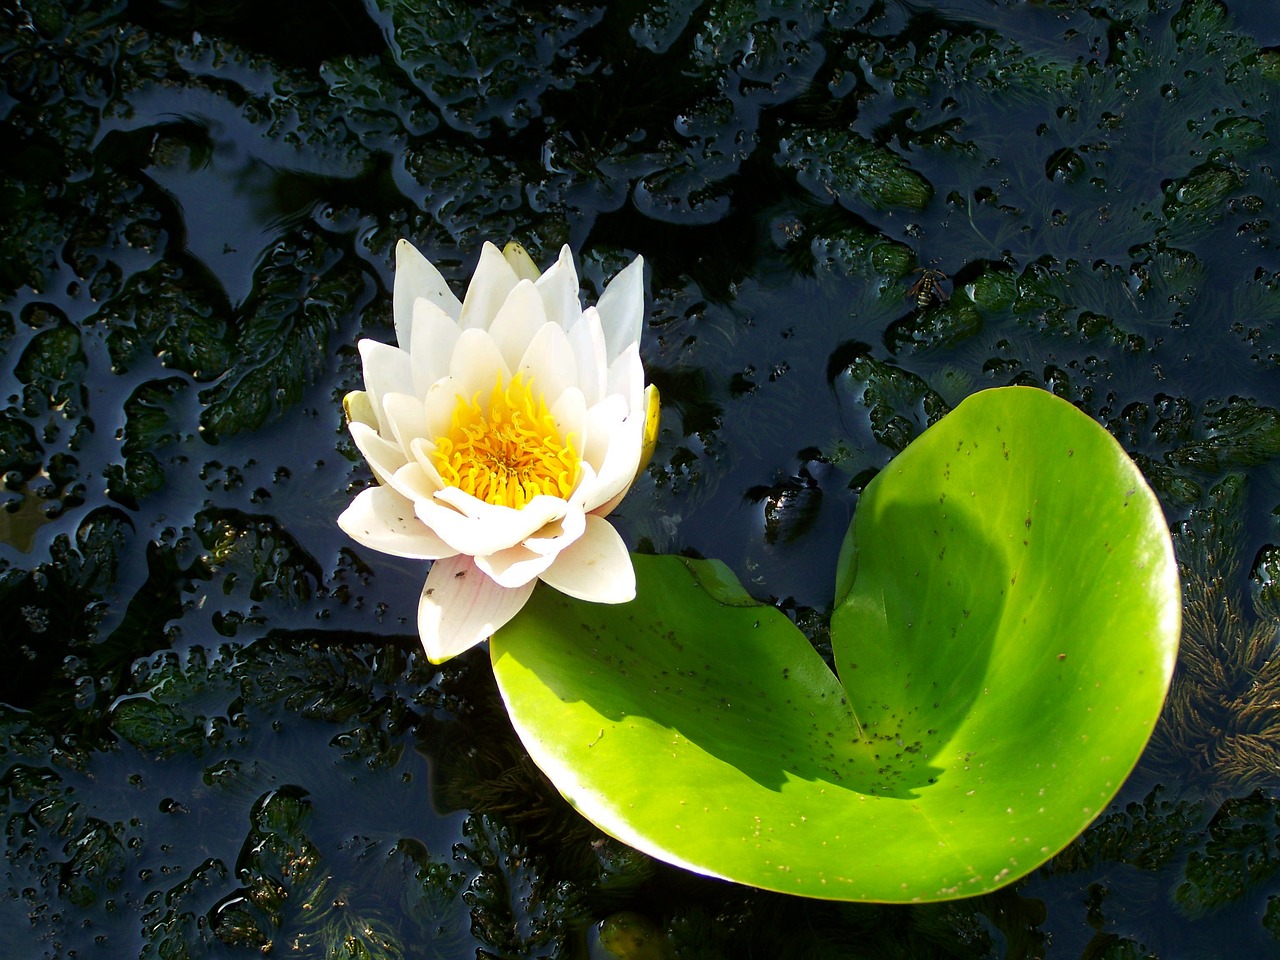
[{"x": 1006, "y": 623}]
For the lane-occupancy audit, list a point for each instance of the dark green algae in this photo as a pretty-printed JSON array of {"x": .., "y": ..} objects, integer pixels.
[{"x": 219, "y": 737}]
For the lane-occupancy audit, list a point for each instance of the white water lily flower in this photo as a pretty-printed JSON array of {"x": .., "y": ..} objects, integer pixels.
[{"x": 501, "y": 431}]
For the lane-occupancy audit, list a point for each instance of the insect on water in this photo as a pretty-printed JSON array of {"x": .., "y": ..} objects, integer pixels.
[{"x": 928, "y": 288}]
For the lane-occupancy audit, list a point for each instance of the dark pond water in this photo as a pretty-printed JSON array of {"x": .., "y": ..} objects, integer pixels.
[{"x": 219, "y": 738}]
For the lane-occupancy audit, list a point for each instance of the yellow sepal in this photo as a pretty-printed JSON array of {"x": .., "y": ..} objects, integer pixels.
[
  {"x": 520, "y": 261},
  {"x": 652, "y": 411},
  {"x": 359, "y": 409}
]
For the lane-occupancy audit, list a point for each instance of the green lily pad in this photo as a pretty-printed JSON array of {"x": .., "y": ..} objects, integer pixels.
[{"x": 1006, "y": 624}]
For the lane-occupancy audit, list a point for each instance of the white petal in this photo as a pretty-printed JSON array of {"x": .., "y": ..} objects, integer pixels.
[
  {"x": 461, "y": 607},
  {"x": 435, "y": 334},
  {"x": 548, "y": 363},
  {"x": 417, "y": 480},
  {"x": 521, "y": 316},
  {"x": 604, "y": 420},
  {"x": 621, "y": 308},
  {"x": 611, "y": 504},
  {"x": 384, "y": 456},
  {"x": 525, "y": 561},
  {"x": 515, "y": 566},
  {"x": 586, "y": 336},
  {"x": 616, "y": 469},
  {"x": 490, "y": 285},
  {"x": 570, "y": 415},
  {"x": 405, "y": 417},
  {"x": 474, "y": 527},
  {"x": 440, "y": 403},
  {"x": 382, "y": 519},
  {"x": 596, "y": 567},
  {"x": 559, "y": 290},
  {"x": 626, "y": 378},
  {"x": 417, "y": 278},
  {"x": 477, "y": 364},
  {"x": 386, "y": 370},
  {"x": 422, "y": 451},
  {"x": 558, "y": 534}
]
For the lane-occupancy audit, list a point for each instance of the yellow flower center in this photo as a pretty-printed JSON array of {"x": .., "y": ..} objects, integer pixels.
[{"x": 508, "y": 451}]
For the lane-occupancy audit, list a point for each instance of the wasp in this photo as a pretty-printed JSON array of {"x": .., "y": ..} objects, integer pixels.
[{"x": 928, "y": 288}]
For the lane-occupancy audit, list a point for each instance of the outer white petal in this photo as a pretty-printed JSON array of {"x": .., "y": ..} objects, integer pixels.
[
  {"x": 476, "y": 528},
  {"x": 518, "y": 320},
  {"x": 384, "y": 456},
  {"x": 626, "y": 377},
  {"x": 382, "y": 519},
  {"x": 493, "y": 280},
  {"x": 559, "y": 290},
  {"x": 461, "y": 607},
  {"x": 548, "y": 363},
  {"x": 604, "y": 421},
  {"x": 386, "y": 370},
  {"x": 621, "y": 308},
  {"x": 615, "y": 444},
  {"x": 596, "y": 567},
  {"x": 620, "y": 466},
  {"x": 586, "y": 336},
  {"x": 417, "y": 278},
  {"x": 611, "y": 504},
  {"x": 435, "y": 334}
]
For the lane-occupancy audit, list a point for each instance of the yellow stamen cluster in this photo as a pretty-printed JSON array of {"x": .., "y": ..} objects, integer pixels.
[{"x": 508, "y": 451}]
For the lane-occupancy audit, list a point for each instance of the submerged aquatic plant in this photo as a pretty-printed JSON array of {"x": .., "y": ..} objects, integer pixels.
[
  {"x": 1223, "y": 714},
  {"x": 501, "y": 431}
]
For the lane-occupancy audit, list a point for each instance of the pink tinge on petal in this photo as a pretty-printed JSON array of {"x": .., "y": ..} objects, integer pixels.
[{"x": 461, "y": 607}]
